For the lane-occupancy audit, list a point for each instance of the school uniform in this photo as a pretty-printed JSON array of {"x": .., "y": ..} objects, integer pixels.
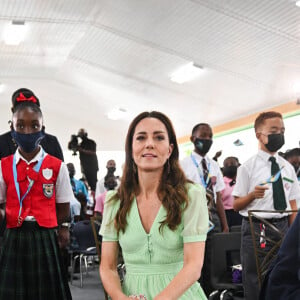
[
  {"x": 193, "y": 169},
  {"x": 254, "y": 172},
  {"x": 30, "y": 262}
]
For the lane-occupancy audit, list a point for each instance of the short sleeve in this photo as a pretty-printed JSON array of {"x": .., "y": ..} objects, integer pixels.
[
  {"x": 241, "y": 188},
  {"x": 108, "y": 230},
  {"x": 195, "y": 217}
]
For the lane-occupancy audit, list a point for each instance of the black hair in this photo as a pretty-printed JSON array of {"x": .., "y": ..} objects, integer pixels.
[
  {"x": 28, "y": 104},
  {"x": 198, "y": 125},
  {"x": 291, "y": 153},
  {"x": 23, "y": 95}
]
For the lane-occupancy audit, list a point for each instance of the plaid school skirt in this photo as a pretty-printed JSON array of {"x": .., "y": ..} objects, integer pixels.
[{"x": 31, "y": 265}]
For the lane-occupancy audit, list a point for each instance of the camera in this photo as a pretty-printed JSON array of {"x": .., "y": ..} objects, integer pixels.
[{"x": 73, "y": 144}]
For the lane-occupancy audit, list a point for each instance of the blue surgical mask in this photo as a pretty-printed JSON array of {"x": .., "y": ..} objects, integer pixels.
[{"x": 28, "y": 142}]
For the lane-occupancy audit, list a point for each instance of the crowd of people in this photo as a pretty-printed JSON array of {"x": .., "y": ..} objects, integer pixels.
[{"x": 158, "y": 214}]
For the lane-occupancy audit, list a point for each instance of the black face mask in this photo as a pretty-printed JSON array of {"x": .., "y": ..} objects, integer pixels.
[
  {"x": 202, "y": 145},
  {"x": 28, "y": 142},
  {"x": 230, "y": 171},
  {"x": 275, "y": 142},
  {"x": 111, "y": 169}
]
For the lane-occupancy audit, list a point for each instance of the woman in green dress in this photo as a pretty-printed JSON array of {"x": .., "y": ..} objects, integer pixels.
[{"x": 157, "y": 216}]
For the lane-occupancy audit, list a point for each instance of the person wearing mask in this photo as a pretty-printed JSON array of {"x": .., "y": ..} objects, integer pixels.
[
  {"x": 293, "y": 157},
  {"x": 111, "y": 168},
  {"x": 152, "y": 217},
  {"x": 30, "y": 261},
  {"x": 88, "y": 159},
  {"x": 110, "y": 184},
  {"x": 264, "y": 182},
  {"x": 200, "y": 168},
  {"x": 230, "y": 166},
  {"x": 8, "y": 145}
]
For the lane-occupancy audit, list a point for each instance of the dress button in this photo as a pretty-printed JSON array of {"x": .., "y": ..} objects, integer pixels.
[{"x": 27, "y": 168}]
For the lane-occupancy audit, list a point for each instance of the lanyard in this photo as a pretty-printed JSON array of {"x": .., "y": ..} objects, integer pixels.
[
  {"x": 200, "y": 172},
  {"x": 31, "y": 181}
]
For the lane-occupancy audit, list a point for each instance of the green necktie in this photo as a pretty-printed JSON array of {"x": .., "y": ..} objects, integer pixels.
[{"x": 278, "y": 191}]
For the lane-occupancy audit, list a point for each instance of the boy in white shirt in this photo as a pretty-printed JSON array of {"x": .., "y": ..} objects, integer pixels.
[{"x": 255, "y": 191}]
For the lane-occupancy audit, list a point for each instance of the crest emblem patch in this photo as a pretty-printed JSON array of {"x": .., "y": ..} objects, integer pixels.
[
  {"x": 48, "y": 189},
  {"x": 47, "y": 173}
]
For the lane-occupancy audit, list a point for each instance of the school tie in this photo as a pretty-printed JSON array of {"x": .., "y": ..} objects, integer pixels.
[
  {"x": 209, "y": 188},
  {"x": 278, "y": 191}
]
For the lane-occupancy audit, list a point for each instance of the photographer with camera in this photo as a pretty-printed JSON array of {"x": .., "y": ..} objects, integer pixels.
[{"x": 87, "y": 156}]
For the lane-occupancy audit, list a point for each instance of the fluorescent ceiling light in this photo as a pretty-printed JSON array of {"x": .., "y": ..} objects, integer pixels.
[
  {"x": 186, "y": 73},
  {"x": 15, "y": 33},
  {"x": 116, "y": 113},
  {"x": 297, "y": 3}
]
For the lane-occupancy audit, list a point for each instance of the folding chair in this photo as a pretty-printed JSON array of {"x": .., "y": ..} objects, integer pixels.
[
  {"x": 225, "y": 253},
  {"x": 83, "y": 233},
  {"x": 96, "y": 224},
  {"x": 265, "y": 258}
]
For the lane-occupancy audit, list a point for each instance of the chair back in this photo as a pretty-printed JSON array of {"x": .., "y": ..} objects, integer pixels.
[
  {"x": 83, "y": 233},
  {"x": 225, "y": 253},
  {"x": 264, "y": 258},
  {"x": 96, "y": 224}
]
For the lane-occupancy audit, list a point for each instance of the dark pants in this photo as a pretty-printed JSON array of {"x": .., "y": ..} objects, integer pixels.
[
  {"x": 233, "y": 218},
  {"x": 250, "y": 278},
  {"x": 205, "y": 279}
]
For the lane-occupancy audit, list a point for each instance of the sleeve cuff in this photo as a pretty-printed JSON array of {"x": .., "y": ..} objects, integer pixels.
[{"x": 194, "y": 238}]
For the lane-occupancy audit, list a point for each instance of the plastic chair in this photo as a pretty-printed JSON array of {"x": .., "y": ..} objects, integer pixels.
[
  {"x": 96, "y": 223},
  {"x": 83, "y": 233},
  {"x": 265, "y": 258},
  {"x": 225, "y": 252}
]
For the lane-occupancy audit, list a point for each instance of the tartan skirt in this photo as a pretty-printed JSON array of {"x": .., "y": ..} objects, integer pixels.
[{"x": 31, "y": 265}]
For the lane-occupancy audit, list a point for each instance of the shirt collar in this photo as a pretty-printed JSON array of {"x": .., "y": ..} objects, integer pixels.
[
  {"x": 199, "y": 157},
  {"x": 265, "y": 156},
  {"x": 35, "y": 159}
]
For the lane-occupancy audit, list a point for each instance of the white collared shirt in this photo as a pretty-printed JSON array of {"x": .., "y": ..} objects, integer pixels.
[
  {"x": 257, "y": 170},
  {"x": 63, "y": 189},
  {"x": 192, "y": 172}
]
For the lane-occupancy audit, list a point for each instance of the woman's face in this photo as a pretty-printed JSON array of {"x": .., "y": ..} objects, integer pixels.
[
  {"x": 150, "y": 145},
  {"x": 27, "y": 121}
]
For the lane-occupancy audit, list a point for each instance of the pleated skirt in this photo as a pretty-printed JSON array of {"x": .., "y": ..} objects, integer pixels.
[{"x": 31, "y": 266}]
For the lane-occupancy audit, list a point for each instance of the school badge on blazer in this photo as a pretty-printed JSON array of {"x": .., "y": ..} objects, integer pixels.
[
  {"x": 47, "y": 173},
  {"x": 48, "y": 189}
]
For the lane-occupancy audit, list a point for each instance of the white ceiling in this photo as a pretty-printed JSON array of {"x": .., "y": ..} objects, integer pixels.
[{"x": 84, "y": 57}]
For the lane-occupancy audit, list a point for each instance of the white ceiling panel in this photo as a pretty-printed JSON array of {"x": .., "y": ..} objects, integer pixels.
[{"x": 85, "y": 57}]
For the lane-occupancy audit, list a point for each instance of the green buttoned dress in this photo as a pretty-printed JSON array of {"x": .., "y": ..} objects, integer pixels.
[{"x": 153, "y": 259}]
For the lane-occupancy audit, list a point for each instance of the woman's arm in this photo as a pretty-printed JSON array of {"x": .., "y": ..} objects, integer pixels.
[
  {"x": 108, "y": 271},
  {"x": 188, "y": 275}
]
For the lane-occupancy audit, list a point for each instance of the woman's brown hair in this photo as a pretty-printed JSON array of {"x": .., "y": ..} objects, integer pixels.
[{"x": 171, "y": 191}]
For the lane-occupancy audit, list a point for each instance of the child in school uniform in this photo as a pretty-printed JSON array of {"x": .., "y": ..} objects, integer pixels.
[
  {"x": 256, "y": 189},
  {"x": 35, "y": 191}
]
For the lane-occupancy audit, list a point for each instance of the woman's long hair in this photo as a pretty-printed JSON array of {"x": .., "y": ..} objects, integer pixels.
[{"x": 171, "y": 191}]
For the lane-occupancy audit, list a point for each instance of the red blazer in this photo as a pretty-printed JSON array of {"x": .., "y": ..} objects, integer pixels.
[{"x": 40, "y": 201}]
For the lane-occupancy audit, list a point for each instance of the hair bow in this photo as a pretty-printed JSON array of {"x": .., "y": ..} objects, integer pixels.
[{"x": 22, "y": 98}]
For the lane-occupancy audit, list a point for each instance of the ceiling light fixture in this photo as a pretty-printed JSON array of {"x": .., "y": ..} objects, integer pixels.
[
  {"x": 116, "y": 113},
  {"x": 297, "y": 3},
  {"x": 15, "y": 32},
  {"x": 186, "y": 73}
]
